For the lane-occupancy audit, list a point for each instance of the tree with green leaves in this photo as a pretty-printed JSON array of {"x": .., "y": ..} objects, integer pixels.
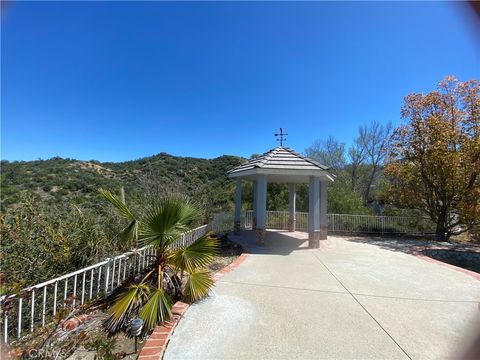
[
  {"x": 176, "y": 272},
  {"x": 435, "y": 157}
]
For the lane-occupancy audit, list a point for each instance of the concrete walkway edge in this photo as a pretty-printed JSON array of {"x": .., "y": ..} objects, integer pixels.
[{"x": 157, "y": 342}]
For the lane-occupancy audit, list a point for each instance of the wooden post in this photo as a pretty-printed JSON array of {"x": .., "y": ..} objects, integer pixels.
[
  {"x": 260, "y": 230},
  {"x": 323, "y": 211},
  {"x": 254, "y": 215},
  {"x": 238, "y": 207},
  {"x": 314, "y": 213},
  {"x": 122, "y": 194},
  {"x": 291, "y": 208}
]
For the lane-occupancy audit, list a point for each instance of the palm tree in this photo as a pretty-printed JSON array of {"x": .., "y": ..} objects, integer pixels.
[{"x": 176, "y": 273}]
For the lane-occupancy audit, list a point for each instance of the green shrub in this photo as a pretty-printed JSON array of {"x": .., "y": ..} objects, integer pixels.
[{"x": 39, "y": 242}]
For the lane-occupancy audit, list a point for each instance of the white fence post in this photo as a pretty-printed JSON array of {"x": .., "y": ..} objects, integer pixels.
[
  {"x": 32, "y": 310},
  {"x": 107, "y": 276},
  {"x": 5, "y": 327},
  {"x": 44, "y": 304},
  {"x": 19, "y": 321}
]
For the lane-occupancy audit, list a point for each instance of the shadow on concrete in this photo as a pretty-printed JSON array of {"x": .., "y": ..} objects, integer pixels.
[
  {"x": 406, "y": 245},
  {"x": 277, "y": 242}
]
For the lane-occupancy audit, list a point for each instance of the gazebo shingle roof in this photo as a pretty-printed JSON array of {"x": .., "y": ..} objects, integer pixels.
[{"x": 280, "y": 158}]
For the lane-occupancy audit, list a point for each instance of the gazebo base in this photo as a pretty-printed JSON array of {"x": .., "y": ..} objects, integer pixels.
[
  {"x": 260, "y": 236},
  {"x": 292, "y": 225},
  {"x": 313, "y": 244},
  {"x": 236, "y": 227},
  {"x": 314, "y": 238}
]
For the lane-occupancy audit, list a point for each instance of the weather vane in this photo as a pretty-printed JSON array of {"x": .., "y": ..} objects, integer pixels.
[{"x": 282, "y": 137}]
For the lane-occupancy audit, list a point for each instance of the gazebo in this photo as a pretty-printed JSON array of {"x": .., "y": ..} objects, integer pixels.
[{"x": 283, "y": 165}]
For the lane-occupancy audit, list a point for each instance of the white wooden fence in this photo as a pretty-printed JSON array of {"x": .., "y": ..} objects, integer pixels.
[
  {"x": 36, "y": 305},
  {"x": 345, "y": 223}
]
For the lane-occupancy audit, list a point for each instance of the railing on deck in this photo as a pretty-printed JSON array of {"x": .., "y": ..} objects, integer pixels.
[
  {"x": 348, "y": 223},
  {"x": 35, "y": 305}
]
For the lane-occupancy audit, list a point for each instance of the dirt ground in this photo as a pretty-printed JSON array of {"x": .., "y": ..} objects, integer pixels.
[
  {"x": 227, "y": 252},
  {"x": 98, "y": 346}
]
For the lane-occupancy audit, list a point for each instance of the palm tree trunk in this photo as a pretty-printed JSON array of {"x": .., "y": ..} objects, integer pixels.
[{"x": 159, "y": 278}]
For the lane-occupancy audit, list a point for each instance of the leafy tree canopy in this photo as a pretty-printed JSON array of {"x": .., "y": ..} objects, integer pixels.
[{"x": 435, "y": 156}]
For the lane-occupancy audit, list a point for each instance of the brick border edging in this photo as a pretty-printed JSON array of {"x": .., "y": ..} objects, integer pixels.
[
  {"x": 156, "y": 343},
  {"x": 234, "y": 264},
  {"x": 417, "y": 252}
]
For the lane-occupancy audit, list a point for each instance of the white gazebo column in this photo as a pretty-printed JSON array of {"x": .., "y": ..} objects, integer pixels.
[
  {"x": 314, "y": 213},
  {"x": 291, "y": 207},
  {"x": 254, "y": 217},
  {"x": 323, "y": 211},
  {"x": 238, "y": 207},
  {"x": 260, "y": 230}
]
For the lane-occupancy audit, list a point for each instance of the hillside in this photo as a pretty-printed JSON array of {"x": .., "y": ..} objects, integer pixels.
[{"x": 59, "y": 180}]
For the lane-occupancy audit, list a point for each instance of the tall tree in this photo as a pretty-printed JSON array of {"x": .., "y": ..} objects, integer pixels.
[
  {"x": 374, "y": 139},
  {"x": 329, "y": 152},
  {"x": 357, "y": 155},
  {"x": 343, "y": 198},
  {"x": 435, "y": 158}
]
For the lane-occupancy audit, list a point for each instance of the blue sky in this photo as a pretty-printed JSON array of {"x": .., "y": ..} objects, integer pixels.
[{"x": 117, "y": 81}]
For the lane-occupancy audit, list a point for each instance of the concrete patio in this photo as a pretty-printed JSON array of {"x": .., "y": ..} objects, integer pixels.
[{"x": 351, "y": 298}]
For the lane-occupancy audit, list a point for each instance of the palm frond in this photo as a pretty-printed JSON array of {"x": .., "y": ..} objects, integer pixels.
[
  {"x": 197, "y": 285},
  {"x": 165, "y": 221},
  {"x": 131, "y": 231},
  {"x": 196, "y": 255},
  {"x": 156, "y": 310},
  {"x": 115, "y": 200},
  {"x": 125, "y": 306}
]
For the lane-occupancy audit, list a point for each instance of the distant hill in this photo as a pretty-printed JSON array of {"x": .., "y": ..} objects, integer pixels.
[{"x": 59, "y": 180}]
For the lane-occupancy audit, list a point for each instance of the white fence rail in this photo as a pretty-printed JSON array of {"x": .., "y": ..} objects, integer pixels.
[
  {"x": 35, "y": 305},
  {"x": 379, "y": 224},
  {"x": 349, "y": 223}
]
